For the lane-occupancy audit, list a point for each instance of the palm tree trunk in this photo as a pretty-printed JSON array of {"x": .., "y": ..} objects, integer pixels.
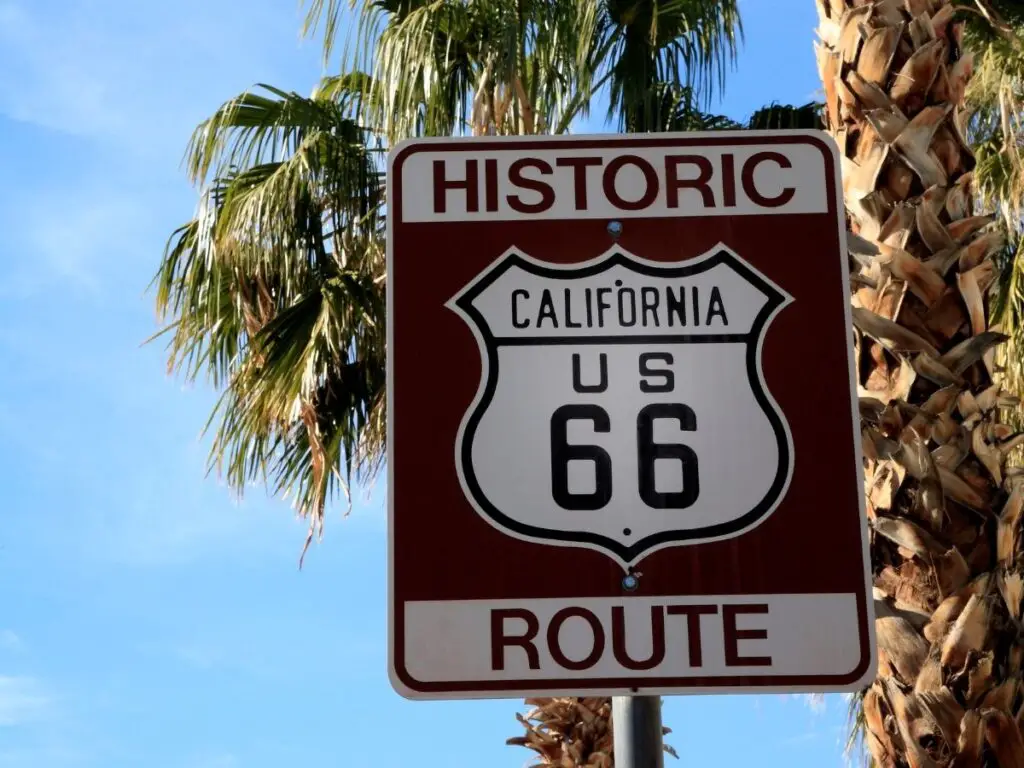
[{"x": 944, "y": 510}]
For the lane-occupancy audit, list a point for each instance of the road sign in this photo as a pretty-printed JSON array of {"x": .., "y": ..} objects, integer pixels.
[{"x": 623, "y": 444}]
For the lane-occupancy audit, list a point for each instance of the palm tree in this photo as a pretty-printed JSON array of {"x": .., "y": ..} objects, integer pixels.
[
  {"x": 943, "y": 507},
  {"x": 274, "y": 290},
  {"x": 450, "y": 67}
]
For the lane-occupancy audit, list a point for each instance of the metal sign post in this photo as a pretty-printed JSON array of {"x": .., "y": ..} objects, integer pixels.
[
  {"x": 636, "y": 724},
  {"x": 620, "y": 396}
]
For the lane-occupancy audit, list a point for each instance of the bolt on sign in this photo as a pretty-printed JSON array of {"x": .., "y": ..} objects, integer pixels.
[{"x": 623, "y": 451}]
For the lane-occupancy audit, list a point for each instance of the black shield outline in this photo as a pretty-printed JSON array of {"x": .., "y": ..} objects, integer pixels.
[{"x": 631, "y": 554}]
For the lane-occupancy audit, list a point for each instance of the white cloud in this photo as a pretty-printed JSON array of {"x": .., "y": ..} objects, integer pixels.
[
  {"x": 816, "y": 701},
  {"x": 119, "y": 70},
  {"x": 22, "y": 700},
  {"x": 86, "y": 245},
  {"x": 129, "y": 80},
  {"x": 57, "y": 86}
]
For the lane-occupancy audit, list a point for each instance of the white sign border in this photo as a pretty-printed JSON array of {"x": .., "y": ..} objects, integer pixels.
[{"x": 826, "y": 143}]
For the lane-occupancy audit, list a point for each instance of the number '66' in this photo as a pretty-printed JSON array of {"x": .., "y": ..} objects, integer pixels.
[{"x": 648, "y": 451}]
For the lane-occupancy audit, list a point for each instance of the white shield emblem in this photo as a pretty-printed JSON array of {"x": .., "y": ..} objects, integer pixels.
[{"x": 622, "y": 405}]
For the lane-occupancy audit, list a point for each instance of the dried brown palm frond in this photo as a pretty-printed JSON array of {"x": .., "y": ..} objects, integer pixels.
[
  {"x": 943, "y": 509},
  {"x": 569, "y": 732}
]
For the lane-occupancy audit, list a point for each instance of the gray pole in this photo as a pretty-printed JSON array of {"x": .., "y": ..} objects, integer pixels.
[{"x": 636, "y": 732}]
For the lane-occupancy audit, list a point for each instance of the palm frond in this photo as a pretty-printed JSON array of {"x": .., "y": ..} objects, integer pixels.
[
  {"x": 327, "y": 12},
  {"x": 426, "y": 63},
  {"x": 857, "y": 727},
  {"x": 307, "y": 405},
  {"x": 995, "y": 100},
  {"x": 253, "y": 128},
  {"x": 273, "y": 291},
  {"x": 787, "y": 117},
  {"x": 1008, "y": 307},
  {"x": 675, "y": 109},
  {"x": 686, "y": 42},
  {"x": 527, "y": 66},
  {"x": 995, "y": 129},
  {"x": 449, "y": 67}
]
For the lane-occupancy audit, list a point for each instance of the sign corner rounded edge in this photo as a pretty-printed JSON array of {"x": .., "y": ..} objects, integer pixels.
[
  {"x": 866, "y": 670},
  {"x": 401, "y": 681},
  {"x": 399, "y": 153},
  {"x": 824, "y": 141}
]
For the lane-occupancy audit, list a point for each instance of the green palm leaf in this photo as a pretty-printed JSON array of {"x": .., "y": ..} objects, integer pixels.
[
  {"x": 273, "y": 291},
  {"x": 640, "y": 44},
  {"x": 448, "y": 67},
  {"x": 786, "y": 117}
]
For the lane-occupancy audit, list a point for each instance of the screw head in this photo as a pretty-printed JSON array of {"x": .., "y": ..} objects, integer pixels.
[
  {"x": 630, "y": 582},
  {"x": 614, "y": 228}
]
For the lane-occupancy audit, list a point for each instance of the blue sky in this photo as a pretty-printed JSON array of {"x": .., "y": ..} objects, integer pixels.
[{"x": 146, "y": 618}]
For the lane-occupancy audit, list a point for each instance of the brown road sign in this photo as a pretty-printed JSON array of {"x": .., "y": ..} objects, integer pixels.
[{"x": 623, "y": 449}]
